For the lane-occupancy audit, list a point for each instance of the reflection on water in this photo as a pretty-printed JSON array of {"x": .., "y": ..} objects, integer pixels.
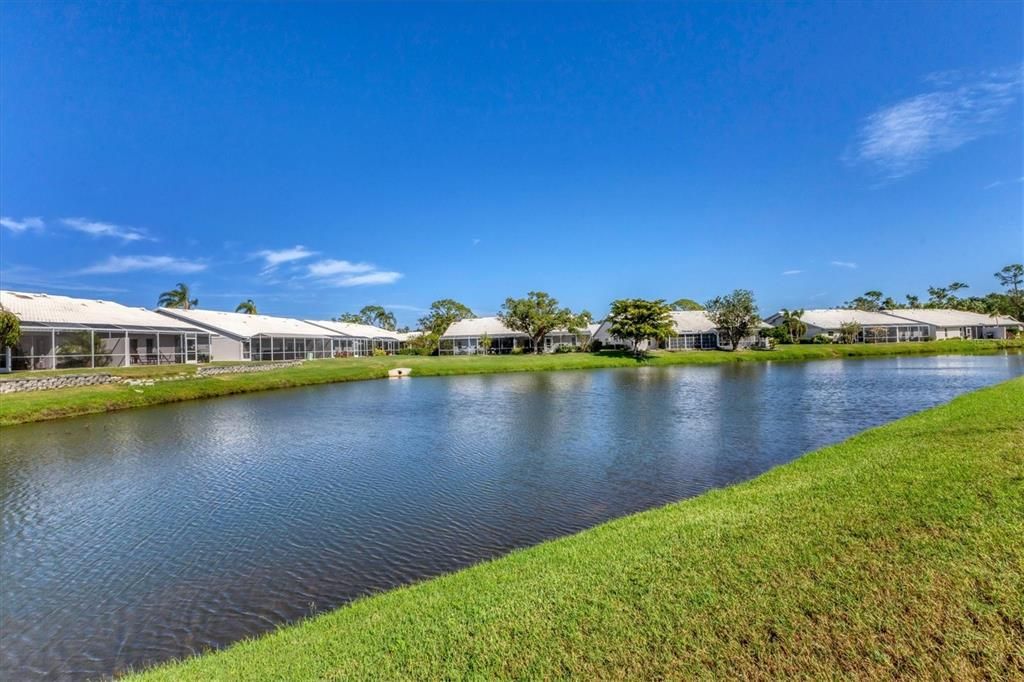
[{"x": 138, "y": 536}]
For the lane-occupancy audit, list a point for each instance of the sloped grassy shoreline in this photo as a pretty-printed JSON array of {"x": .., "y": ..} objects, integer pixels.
[{"x": 895, "y": 553}]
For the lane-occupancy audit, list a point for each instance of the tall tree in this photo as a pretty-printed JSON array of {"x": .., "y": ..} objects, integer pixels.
[
  {"x": 247, "y": 306},
  {"x": 1012, "y": 279},
  {"x": 178, "y": 297},
  {"x": 735, "y": 314},
  {"x": 870, "y": 301},
  {"x": 443, "y": 314},
  {"x": 637, "y": 320},
  {"x": 794, "y": 326},
  {"x": 374, "y": 315},
  {"x": 378, "y": 317},
  {"x": 685, "y": 304},
  {"x": 913, "y": 301},
  {"x": 538, "y": 315}
]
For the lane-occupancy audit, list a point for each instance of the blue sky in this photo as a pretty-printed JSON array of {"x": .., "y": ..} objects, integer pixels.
[{"x": 317, "y": 158}]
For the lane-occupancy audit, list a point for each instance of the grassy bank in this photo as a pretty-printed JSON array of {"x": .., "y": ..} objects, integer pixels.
[
  {"x": 37, "y": 406},
  {"x": 896, "y": 553}
]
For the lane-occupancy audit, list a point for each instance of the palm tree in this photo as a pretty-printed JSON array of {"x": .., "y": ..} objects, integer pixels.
[
  {"x": 247, "y": 307},
  {"x": 795, "y": 327},
  {"x": 178, "y": 297}
]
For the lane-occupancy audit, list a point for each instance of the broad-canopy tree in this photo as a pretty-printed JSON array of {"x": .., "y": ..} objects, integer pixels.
[
  {"x": 794, "y": 326},
  {"x": 374, "y": 315},
  {"x": 178, "y": 297},
  {"x": 443, "y": 314},
  {"x": 736, "y": 315},
  {"x": 848, "y": 331},
  {"x": 247, "y": 306},
  {"x": 378, "y": 316},
  {"x": 10, "y": 329},
  {"x": 637, "y": 320},
  {"x": 686, "y": 304},
  {"x": 945, "y": 297},
  {"x": 538, "y": 315},
  {"x": 871, "y": 301}
]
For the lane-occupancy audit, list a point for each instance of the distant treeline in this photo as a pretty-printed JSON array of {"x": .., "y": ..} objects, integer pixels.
[{"x": 1008, "y": 302}]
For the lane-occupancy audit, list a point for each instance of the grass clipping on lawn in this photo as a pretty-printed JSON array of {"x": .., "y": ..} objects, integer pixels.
[{"x": 899, "y": 552}]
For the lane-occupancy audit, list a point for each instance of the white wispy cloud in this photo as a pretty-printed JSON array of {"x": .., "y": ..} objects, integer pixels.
[
  {"x": 378, "y": 277},
  {"x": 899, "y": 139},
  {"x": 21, "y": 225},
  {"x": 791, "y": 272},
  {"x": 116, "y": 264},
  {"x": 329, "y": 267},
  {"x": 403, "y": 306},
  {"x": 844, "y": 264},
  {"x": 97, "y": 228},
  {"x": 272, "y": 259},
  {"x": 1000, "y": 183},
  {"x": 333, "y": 272}
]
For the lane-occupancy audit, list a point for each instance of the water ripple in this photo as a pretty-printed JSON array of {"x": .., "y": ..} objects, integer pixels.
[{"x": 135, "y": 537}]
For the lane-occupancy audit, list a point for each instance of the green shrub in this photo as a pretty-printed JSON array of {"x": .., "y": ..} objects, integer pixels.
[
  {"x": 565, "y": 348},
  {"x": 776, "y": 334},
  {"x": 379, "y": 353},
  {"x": 518, "y": 350},
  {"x": 596, "y": 346},
  {"x": 822, "y": 338}
]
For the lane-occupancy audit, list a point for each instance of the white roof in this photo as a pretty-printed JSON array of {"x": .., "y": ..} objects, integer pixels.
[
  {"x": 478, "y": 326},
  {"x": 51, "y": 310},
  {"x": 241, "y": 325},
  {"x": 833, "y": 318},
  {"x": 692, "y": 321},
  {"x": 493, "y": 326},
  {"x": 362, "y": 331},
  {"x": 944, "y": 317}
]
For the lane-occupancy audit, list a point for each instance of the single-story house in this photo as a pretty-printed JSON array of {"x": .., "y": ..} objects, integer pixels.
[
  {"x": 694, "y": 330},
  {"x": 959, "y": 324},
  {"x": 62, "y": 332},
  {"x": 238, "y": 336},
  {"x": 875, "y": 327},
  {"x": 467, "y": 337},
  {"x": 906, "y": 324},
  {"x": 361, "y": 339}
]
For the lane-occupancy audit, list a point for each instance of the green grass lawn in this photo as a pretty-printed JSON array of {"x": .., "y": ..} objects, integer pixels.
[
  {"x": 898, "y": 553},
  {"x": 37, "y": 406}
]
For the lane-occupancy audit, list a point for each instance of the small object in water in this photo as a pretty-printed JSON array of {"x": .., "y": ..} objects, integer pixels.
[{"x": 399, "y": 373}]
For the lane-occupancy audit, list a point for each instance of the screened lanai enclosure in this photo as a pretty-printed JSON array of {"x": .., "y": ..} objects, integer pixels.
[
  {"x": 78, "y": 346},
  {"x": 59, "y": 332},
  {"x": 355, "y": 340},
  {"x": 288, "y": 348},
  {"x": 894, "y": 333},
  {"x": 692, "y": 341}
]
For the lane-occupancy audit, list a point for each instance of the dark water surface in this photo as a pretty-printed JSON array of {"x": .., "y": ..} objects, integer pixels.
[{"x": 139, "y": 536}]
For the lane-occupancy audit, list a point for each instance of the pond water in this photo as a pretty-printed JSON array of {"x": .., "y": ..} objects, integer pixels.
[{"x": 135, "y": 537}]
